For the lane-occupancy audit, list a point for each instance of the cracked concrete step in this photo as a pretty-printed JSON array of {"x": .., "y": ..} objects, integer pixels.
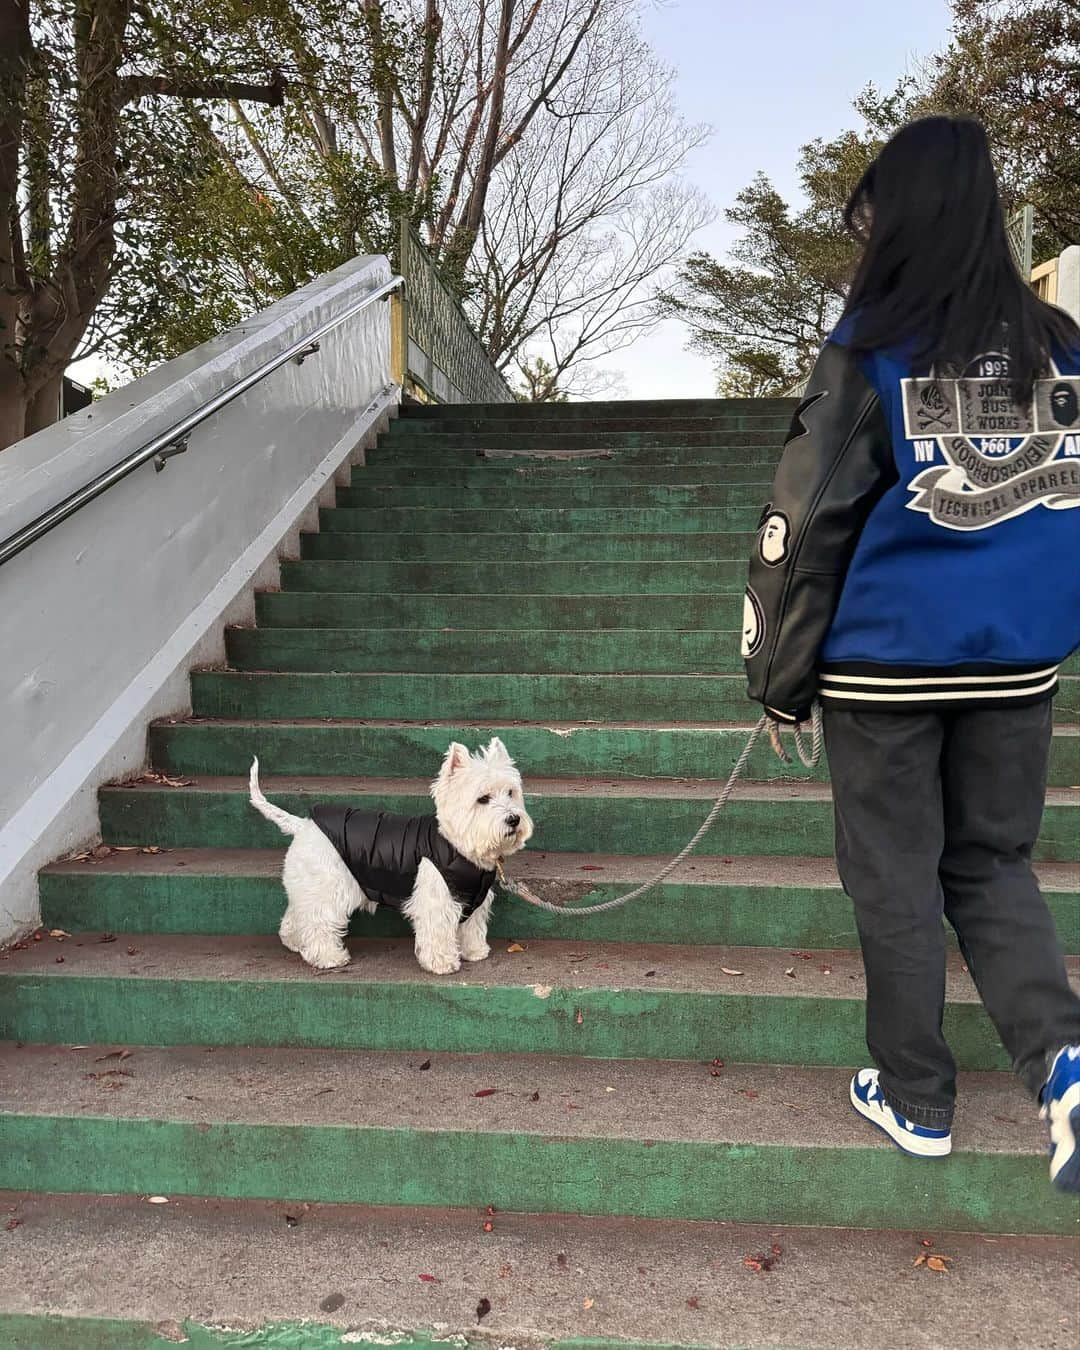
[
  {"x": 497, "y": 492},
  {"x": 615, "y": 420},
  {"x": 458, "y": 518},
  {"x": 332, "y": 542},
  {"x": 757, "y": 1143},
  {"x": 789, "y": 903},
  {"x": 697, "y": 577},
  {"x": 508, "y": 473},
  {"x": 571, "y": 814},
  {"x": 559, "y": 415},
  {"x": 646, "y": 750},
  {"x": 558, "y": 998},
  {"x": 426, "y": 455},
  {"x": 85, "y": 1273},
  {"x": 589, "y": 439}
]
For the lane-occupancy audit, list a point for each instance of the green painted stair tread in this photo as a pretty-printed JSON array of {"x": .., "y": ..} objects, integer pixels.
[
  {"x": 663, "y": 1101},
  {"x": 74, "y": 1258},
  {"x": 648, "y": 750},
  {"x": 498, "y": 493},
  {"x": 603, "y": 577},
  {"x": 793, "y": 903},
  {"x": 457, "y": 518},
  {"x": 249, "y": 991},
  {"x": 571, "y": 814},
  {"x": 559, "y": 698},
  {"x": 668, "y": 1141},
  {"x": 479, "y": 651},
  {"x": 714, "y": 615},
  {"x": 331, "y": 542}
]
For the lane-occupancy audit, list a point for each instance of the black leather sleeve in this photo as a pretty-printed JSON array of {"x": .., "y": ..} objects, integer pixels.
[{"x": 837, "y": 462}]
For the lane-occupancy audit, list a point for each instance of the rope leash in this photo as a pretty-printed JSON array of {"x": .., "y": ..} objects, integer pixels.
[{"x": 810, "y": 761}]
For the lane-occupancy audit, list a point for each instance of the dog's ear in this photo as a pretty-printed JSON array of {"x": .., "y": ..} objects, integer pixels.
[
  {"x": 456, "y": 758},
  {"x": 496, "y": 753}
]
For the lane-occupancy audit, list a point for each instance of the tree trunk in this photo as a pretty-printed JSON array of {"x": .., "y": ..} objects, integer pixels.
[
  {"x": 43, "y": 409},
  {"x": 12, "y": 405}
]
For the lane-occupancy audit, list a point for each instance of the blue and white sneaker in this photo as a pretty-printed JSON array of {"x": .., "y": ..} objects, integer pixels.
[
  {"x": 917, "y": 1140},
  {"x": 1061, "y": 1110}
]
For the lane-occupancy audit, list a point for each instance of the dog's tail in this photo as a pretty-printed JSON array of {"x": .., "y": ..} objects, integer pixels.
[{"x": 286, "y": 823}]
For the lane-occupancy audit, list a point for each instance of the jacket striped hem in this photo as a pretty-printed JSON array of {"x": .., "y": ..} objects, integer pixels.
[{"x": 860, "y": 685}]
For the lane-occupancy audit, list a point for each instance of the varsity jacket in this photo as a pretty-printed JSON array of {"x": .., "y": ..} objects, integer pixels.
[
  {"x": 384, "y": 852},
  {"x": 921, "y": 545}
]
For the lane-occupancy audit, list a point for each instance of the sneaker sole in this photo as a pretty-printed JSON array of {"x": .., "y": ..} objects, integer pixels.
[{"x": 927, "y": 1148}]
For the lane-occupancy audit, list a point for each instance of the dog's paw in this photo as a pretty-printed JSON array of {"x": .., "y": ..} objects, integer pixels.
[
  {"x": 480, "y": 952},
  {"x": 442, "y": 963},
  {"x": 327, "y": 960}
]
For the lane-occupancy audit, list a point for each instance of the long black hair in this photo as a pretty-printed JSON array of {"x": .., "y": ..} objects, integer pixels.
[{"x": 937, "y": 274}]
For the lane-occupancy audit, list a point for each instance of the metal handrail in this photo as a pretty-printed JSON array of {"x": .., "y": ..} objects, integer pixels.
[{"x": 174, "y": 441}]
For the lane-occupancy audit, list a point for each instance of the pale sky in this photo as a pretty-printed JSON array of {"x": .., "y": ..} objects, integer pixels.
[{"x": 767, "y": 78}]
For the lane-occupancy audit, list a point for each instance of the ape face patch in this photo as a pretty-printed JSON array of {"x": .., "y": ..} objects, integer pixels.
[
  {"x": 1001, "y": 458},
  {"x": 753, "y": 625},
  {"x": 774, "y": 536}
]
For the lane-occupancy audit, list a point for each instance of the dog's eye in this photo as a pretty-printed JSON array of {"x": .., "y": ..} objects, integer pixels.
[{"x": 482, "y": 801}]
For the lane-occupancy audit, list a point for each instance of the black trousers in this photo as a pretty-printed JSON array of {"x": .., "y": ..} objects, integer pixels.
[{"x": 937, "y": 814}]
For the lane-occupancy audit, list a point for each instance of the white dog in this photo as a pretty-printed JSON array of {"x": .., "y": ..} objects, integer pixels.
[{"x": 438, "y": 870}]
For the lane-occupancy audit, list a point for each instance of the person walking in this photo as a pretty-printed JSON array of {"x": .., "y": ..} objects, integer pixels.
[{"x": 916, "y": 568}]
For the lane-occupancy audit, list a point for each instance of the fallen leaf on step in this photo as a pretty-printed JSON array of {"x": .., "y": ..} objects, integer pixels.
[
  {"x": 59, "y": 960},
  {"x": 938, "y": 1263},
  {"x": 561, "y": 1261},
  {"x": 100, "y": 851},
  {"x": 505, "y": 1270},
  {"x": 158, "y": 1199},
  {"x": 11, "y": 1225},
  {"x": 291, "y": 1221},
  {"x": 107, "y": 937},
  {"x": 489, "y": 1227},
  {"x": 535, "y": 1097},
  {"x": 920, "y": 1260},
  {"x": 482, "y": 1309},
  {"x": 927, "y": 1242},
  {"x": 692, "y": 1303},
  {"x": 60, "y": 933},
  {"x": 716, "y": 1068},
  {"x": 790, "y": 972},
  {"x": 426, "y": 1065},
  {"x": 486, "y": 1092},
  {"x": 133, "y": 951},
  {"x": 113, "y": 1054},
  {"x": 151, "y": 848},
  {"x": 579, "y": 1017},
  {"x": 649, "y": 974},
  {"x": 429, "y": 1279},
  {"x": 726, "y": 970},
  {"x": 590, "y": 867},
  {"x": 588, "y": 1302},
  {"x": 515, "y": 947}
]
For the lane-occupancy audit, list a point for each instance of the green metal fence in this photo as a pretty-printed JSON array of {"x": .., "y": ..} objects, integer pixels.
[{"x": 437, "y": 355}]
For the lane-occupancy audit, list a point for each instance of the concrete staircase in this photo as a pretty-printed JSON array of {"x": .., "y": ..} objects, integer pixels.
[{"x": 540, "y": 1151}]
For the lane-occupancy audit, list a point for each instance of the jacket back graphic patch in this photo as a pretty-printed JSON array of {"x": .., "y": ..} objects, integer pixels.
[{"x": 1001, "y": 458}]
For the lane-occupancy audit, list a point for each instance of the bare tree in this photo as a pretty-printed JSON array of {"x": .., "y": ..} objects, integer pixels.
[{"x": 587, "y": 217}]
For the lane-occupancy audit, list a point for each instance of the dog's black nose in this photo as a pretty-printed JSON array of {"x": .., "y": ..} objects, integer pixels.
[{"x": 513, "y": 821}]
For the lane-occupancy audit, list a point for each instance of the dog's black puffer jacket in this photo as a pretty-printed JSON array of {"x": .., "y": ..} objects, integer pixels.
[{"x": 384, "y": 852}]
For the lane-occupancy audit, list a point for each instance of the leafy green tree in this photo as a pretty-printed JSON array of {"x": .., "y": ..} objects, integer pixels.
[
  {"x": 92, "y": 94},
  {"x": 1014, "y": 64}
]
